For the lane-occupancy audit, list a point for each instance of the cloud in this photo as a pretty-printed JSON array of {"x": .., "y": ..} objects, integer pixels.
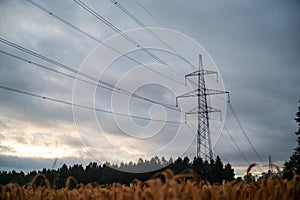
[{"x": 254, "y": 44}]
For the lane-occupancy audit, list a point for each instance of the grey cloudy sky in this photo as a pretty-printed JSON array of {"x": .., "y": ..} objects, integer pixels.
[{"x": 255, "y": 45}]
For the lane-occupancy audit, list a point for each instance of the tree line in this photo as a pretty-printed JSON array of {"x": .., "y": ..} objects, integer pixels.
[
  {"x": 292, "y": 166},
  {"x": 213, "y": 171}
]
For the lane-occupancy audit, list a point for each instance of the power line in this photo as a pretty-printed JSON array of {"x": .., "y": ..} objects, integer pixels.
[
  {"x": 108, "y": 46},
  {"x": 42, "y": 57},
  {"x": 149, "y": 13},
  {"x": 124, "y": 92},
  {"x": 85, "y": 107},
  {"x": 66, "y": 22},
  {"x": 244, "y": 132},
  {"x": 140, "y": 23},
  {"x": 53, "y": 70},
  {"x": 107, "y": 85},
  {"x": 124, "y": 35},
  {"x": 236, "y": 147},
  {"x": 97, "y": 40},
  {"x": 134, "y": 18},
  {"x": 117, "y": 30}
]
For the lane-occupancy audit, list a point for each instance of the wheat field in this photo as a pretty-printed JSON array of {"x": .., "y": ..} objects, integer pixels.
[{"x": 170, "y": 187}]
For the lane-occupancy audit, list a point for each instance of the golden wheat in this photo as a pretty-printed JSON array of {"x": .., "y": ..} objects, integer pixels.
[{"x": 174, "y": 187}]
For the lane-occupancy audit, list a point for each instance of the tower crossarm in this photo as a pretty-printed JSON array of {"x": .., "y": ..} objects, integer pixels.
[
  {"x": 193, "y": 93},
  {"x": 201, "y": 72},
  {"x": 207, "y": 92},
  {"x": 197, "y": 111},
  {"x": 208, "y": 110},
  {"x": 215, "y": 92}
]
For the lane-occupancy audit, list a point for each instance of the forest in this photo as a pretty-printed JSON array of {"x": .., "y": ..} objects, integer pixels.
[{"x": 214, "y": 172}]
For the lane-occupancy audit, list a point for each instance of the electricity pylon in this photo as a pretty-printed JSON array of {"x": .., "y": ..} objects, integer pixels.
[{"x": 202, "y": 110}]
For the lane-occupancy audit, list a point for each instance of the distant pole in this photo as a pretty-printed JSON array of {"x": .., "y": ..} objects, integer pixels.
[{"x": 270, "y": 164}]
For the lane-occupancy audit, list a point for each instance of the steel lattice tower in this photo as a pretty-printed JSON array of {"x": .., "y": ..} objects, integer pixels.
[{"x": 202, "y": 110}]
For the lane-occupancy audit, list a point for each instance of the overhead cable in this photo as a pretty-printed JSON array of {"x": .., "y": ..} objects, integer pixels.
[{"x": 85, "y": 107}]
